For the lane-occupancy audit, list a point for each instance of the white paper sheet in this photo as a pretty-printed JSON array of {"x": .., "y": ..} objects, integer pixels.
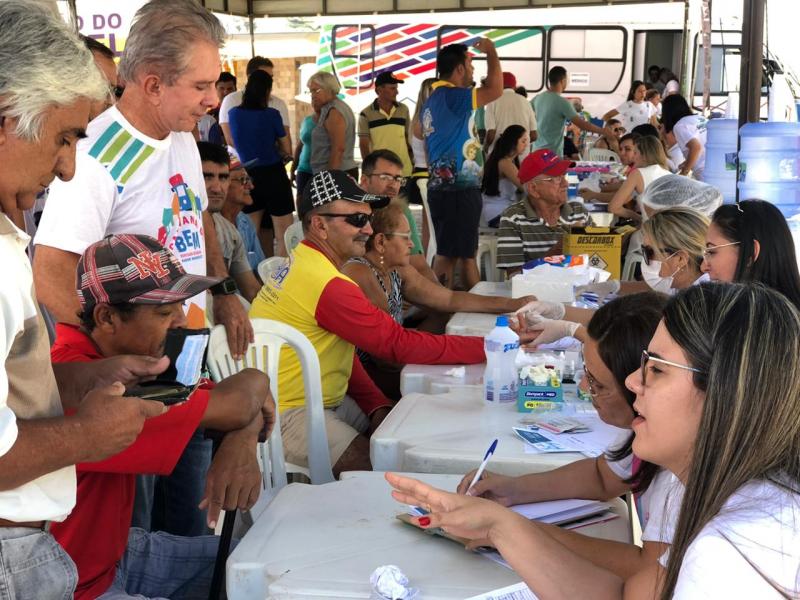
[{"x": 518, "y": 591}]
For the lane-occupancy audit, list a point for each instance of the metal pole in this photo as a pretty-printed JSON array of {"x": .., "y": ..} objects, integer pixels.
[
  {"x": 751, "y": 69},
  {"x": 252, "y": 28}
]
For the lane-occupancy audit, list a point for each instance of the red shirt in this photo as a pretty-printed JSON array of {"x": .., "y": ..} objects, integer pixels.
[{"x": 96, "y": 532}]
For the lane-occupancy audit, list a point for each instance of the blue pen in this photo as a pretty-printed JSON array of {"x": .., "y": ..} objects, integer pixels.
[{"x": 480, "y": 470}]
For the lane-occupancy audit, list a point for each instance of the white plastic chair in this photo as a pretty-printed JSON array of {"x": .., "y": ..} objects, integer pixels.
[
  {"x": 264, "y": 355},
  {"x": 603, "y": 155},
  {"x": 269, "y": 265},
  {"x": 422, "y": 184},
  {"x": 293, "y": 236},
  {"x": 487, "y": 248}
]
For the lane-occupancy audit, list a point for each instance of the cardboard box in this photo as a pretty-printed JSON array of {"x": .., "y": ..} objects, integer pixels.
[{"x": 605, "y": 246}]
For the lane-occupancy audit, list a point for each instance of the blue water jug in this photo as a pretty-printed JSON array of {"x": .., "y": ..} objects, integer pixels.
[
  {"x": 769, "y": 164},
  {"x": 720, "y": 168}
]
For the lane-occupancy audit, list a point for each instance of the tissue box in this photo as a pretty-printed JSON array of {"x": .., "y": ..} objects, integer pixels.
[
  {"x": 547, "y": 291},
  {"x": 537, "y": 398},
  {"x": 604, "y": 249}
]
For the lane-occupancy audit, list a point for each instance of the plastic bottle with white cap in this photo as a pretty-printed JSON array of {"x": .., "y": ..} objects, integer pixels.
[{"x": 500, "y": 378}]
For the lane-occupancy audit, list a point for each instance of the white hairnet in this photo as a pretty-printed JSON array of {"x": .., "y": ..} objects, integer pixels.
[{"x": 676, "y": 190}]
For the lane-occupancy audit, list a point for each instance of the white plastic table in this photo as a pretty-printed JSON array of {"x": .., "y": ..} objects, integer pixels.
[
  {"x": 433, "y": 379},
  {"x": 324, "y": 541},
  {"x": 449, "y": 433},
  {"x": 466, "y": 323}
]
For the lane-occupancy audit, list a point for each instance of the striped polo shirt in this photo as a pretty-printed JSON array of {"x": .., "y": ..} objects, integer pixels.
[
  {"x": 387, "y": 131},
  {"x": 524, "y": 235}
]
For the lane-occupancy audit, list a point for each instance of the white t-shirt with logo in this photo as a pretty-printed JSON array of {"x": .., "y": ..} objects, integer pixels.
[
  {"x": 127, "y": 182},
  {"x": 234, "y": 99},
  {"x": 753, "y": 540},
  {"x": 659, "y": 504},
  {"x": 632, "y": 114}
]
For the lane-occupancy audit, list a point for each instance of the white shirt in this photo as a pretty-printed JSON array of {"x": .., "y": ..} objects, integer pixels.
[
  {"x": 687, "y": 129},
  {"x": 659, "y": 504},
  {"x": 509, "y": 109},
  {"x": 234, "y": 99},
  {"x": 759, "y": 524},
  {"x": 51, "y": 496},
  {"x": 632, "y": 114},
  {"x": 127, "y": 182},
  {"x": 671, "y": 87}
]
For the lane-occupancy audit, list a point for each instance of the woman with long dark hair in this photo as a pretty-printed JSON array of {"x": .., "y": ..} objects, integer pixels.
[
  {"x": 612, "y": 344},
  {"x": 261, "y": 141},
  {"x": 689, "y": 131},
  {"x": 500, "y": 174},
  {"x": 751, "y": 242},
  {"x": 635, "y": 110},
  {"x": 717, "y": 399}
]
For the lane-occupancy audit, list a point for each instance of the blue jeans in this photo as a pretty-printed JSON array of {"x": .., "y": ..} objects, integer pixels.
[
  {"x": 33, "y": 565},
  {"x": 170, "y": 503},
  {"x": 160, "y": 565}
]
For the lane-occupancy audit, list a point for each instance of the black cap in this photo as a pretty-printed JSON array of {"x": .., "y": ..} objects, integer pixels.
[
  {"x": 328, "y": 186},
  {"x": 386, "y": 77}
]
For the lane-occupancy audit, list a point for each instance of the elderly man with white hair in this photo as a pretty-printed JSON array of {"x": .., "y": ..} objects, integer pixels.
[
  {"x": 48, "y": 82},
  {"x": 139, "y": 172}
]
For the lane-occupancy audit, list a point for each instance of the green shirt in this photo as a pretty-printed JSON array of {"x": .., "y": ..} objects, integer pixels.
[
  {"x": 552, "y": 111},
  {"x": 416, "y": 247}
]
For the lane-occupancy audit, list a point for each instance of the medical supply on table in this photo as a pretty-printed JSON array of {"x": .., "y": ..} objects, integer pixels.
[
  {"x": 539, "y": 389},
  {"x": 500, "y": 377},
  {"x": 482, "y": 467}
]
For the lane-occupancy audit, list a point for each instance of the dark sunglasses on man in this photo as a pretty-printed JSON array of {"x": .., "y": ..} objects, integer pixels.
[{"x": 358, "y": 219}]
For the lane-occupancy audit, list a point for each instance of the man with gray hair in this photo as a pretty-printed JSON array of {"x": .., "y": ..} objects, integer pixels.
[
  {"x": 48, "y": 82},
  {"x": 139, "y": 172}
]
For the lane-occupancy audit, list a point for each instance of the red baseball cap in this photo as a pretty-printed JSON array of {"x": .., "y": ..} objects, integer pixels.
[
  {"x": 543, "y": 161},
  {"x": 509, "y": 81}
]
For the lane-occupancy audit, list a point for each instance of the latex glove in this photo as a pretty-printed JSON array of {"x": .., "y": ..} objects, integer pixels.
[
  {"x": 548, "y": 310},
  {"x": 547, "y": 331},
  {"x": 601, "y": 290}
]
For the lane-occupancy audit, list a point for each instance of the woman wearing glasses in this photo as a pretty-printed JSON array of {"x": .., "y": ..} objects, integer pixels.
[
  {"x": 751, "y": 241},
  {"x": 611, "y": 350},
  {"x": 385, "y": 276},
  {"x": 737, "y": 531}
]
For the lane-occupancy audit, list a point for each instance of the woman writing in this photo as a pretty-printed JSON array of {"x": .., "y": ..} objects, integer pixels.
[
  {"x": 737, "y": 533},
  {"x": 500, "y": 174},
  {"x": 334, "y": 137},
  {"x": 610, "y": 349}
]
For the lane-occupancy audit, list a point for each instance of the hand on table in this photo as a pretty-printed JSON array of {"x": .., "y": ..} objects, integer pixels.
[
  {"x": 229, "y": 311},
  {"x": 498, "y": 488},
  {"x": 463, "y": 516}
]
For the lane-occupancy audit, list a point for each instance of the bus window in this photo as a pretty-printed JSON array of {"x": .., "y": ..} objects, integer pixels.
[
  {"x": 353, "y": 51},
  {"x": 521, "y": 50},
  {"x": 594, "y": 57}
]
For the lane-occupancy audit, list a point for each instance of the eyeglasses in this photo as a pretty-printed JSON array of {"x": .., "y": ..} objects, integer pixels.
[
  {"x": 355, "y": 219},
  {"x": 315, "y": 91},
  {"x": 243, "y": 180},
  {"x": 619, "y": 130},
  {"x": 387, "y": 178},
  {"x": 405, "y": 236},
  {"x": 647, "y": 358},
  {"x": 649, "y": 254},
  {"x": 593, "y": 391},
  {"x": 711, "y": 250},
  {"x": 558, "y": 179}
]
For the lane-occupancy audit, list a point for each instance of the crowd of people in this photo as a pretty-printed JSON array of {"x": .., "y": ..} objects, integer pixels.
[{"x": 132, "y": 195}]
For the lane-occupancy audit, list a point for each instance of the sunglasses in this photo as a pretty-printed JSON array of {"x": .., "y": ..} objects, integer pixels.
[
  {"x": 358, "y": 220},
  {"x": 649, "y": 254},
  {"x": 646, "y": 357}
]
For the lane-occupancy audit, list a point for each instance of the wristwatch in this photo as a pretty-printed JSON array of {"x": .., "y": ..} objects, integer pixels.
[{"x": 226, "y": 287}]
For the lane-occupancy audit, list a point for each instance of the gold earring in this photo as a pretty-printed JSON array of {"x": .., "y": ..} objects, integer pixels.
[{"x": 381, "y": 258}]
